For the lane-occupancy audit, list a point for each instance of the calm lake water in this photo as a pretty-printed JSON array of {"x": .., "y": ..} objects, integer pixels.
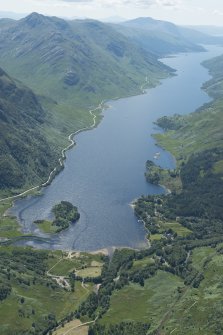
[{"x": 104, "y": 172}]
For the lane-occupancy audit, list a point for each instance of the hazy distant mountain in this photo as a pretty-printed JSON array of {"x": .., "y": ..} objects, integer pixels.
[
  {"x": 159, "y": 37},
  {"x": 211, "y": 30},
  {"x": 200, "y": 37},
  {"x": 12, "y": 15},
  {"x": 24, "y": 151},
  {"x": 114, "y": 19},
  {"x": 149, "y": 24}
]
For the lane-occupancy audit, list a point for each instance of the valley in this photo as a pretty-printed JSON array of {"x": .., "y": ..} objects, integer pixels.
[{"x": 115, "y": 177}]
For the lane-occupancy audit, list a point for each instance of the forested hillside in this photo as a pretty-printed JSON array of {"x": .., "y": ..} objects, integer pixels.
[{"x": 26, "y": 155}]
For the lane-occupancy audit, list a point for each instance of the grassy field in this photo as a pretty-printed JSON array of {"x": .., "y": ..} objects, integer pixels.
[
  {"x": 40, "y": 302},
  {"x": 167, "y": 304},
  {"x": 142, "y": 263},
  {"x": 9, "y": 227},
  {"x": 199, "y": 311},
  {"x": 92, "y": 271},
  {"x": 47, "y": 227},
  {"x": 61, "y": 264},
  {"x": 200, "y": 255},
  {"x": 155, "y": 237},
  {"x": 176, "y": 227},
  {"x": 35, "y": 298},
  {"x": 145, "y": 304},
  {"x": 72, "y": 328},
  {"x": 165, "y": 226}
]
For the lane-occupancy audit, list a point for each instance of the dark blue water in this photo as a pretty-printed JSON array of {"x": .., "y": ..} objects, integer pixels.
[{"x": 104, "y": 172}]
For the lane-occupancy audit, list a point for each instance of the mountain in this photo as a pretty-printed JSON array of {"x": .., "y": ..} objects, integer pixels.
[
  {"x": 114, "y": 19},
  {"x": 75, "y": 63},
  {"x": 69, "y": 66},
  {"x": 24, "y": 150},
  {"x": 159, "y": 37},
  {"x": 12, "y": 15},
  {"x": 197, "y": 36},
  {"x": 211, "y": 30}
]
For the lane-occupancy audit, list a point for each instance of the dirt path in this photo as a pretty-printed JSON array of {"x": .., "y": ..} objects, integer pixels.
[
  {"x": 79, "y": 326},
  {"x": 61, "y": 280}
]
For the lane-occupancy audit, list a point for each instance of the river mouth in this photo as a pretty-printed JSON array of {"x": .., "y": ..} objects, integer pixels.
[{"x": 104, "y": 172}]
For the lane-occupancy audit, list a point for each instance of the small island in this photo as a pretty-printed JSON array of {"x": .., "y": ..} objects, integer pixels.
[{"x": 65, "y": 213}]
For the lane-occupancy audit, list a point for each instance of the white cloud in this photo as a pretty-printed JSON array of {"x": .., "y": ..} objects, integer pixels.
[
  {"x": 134, "y": 3},
  {"x": 169, "y": 3},
  {"x": 119, "y": 3},
  {"x": 218, "y": 12}
]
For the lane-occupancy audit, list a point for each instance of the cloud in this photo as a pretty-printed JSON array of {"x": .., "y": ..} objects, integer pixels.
[
  {"x": 168, "y": 3},
  {"x": 123, "y": 3},
  {"x": 78, "y": 1},
  {"x": 110, "y": 3},
  {"x": 218, "y": 12}
]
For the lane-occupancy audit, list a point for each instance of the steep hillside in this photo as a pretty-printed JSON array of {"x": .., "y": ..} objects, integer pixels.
[
  {"x": 159, "y": 37},
  {"x": 215, "y": 85},
  {"x": 25, "y": 152}
]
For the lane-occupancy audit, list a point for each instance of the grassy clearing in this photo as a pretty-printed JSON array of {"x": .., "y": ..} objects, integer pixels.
[
  {"x": 47, "y": 227},
  {"x": 64, "y": 267},
  {"x": 176, "y": 227},
  {"x": 200, "y": 255},
  {"x": 155, "y": 237},
  {"x": 218, "y": 167},
  {"x": 70, "y": 328},
  {"x": 142, "y": 263},
  {"x": 93, "y": 271},
  {"x": 86, "y": 265},
  {"x": 136, "y": 303},
  {"x": 9, "y": 227}
]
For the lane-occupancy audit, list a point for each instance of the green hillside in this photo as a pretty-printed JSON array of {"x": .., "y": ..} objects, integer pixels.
[
  {"x": 34, "y": 300},
  {"x": 26, "y": 154}
]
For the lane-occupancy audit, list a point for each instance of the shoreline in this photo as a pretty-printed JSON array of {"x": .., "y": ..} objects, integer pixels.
[
  {"x": 61, "y": 159},
  {"x": 143, "y": 88}
]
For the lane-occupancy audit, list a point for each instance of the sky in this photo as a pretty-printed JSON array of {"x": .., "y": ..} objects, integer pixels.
[{"x": 184, "y": 12}]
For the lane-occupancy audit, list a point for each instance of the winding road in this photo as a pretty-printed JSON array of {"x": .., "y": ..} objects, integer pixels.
[{"x": 63, "y": 155}]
